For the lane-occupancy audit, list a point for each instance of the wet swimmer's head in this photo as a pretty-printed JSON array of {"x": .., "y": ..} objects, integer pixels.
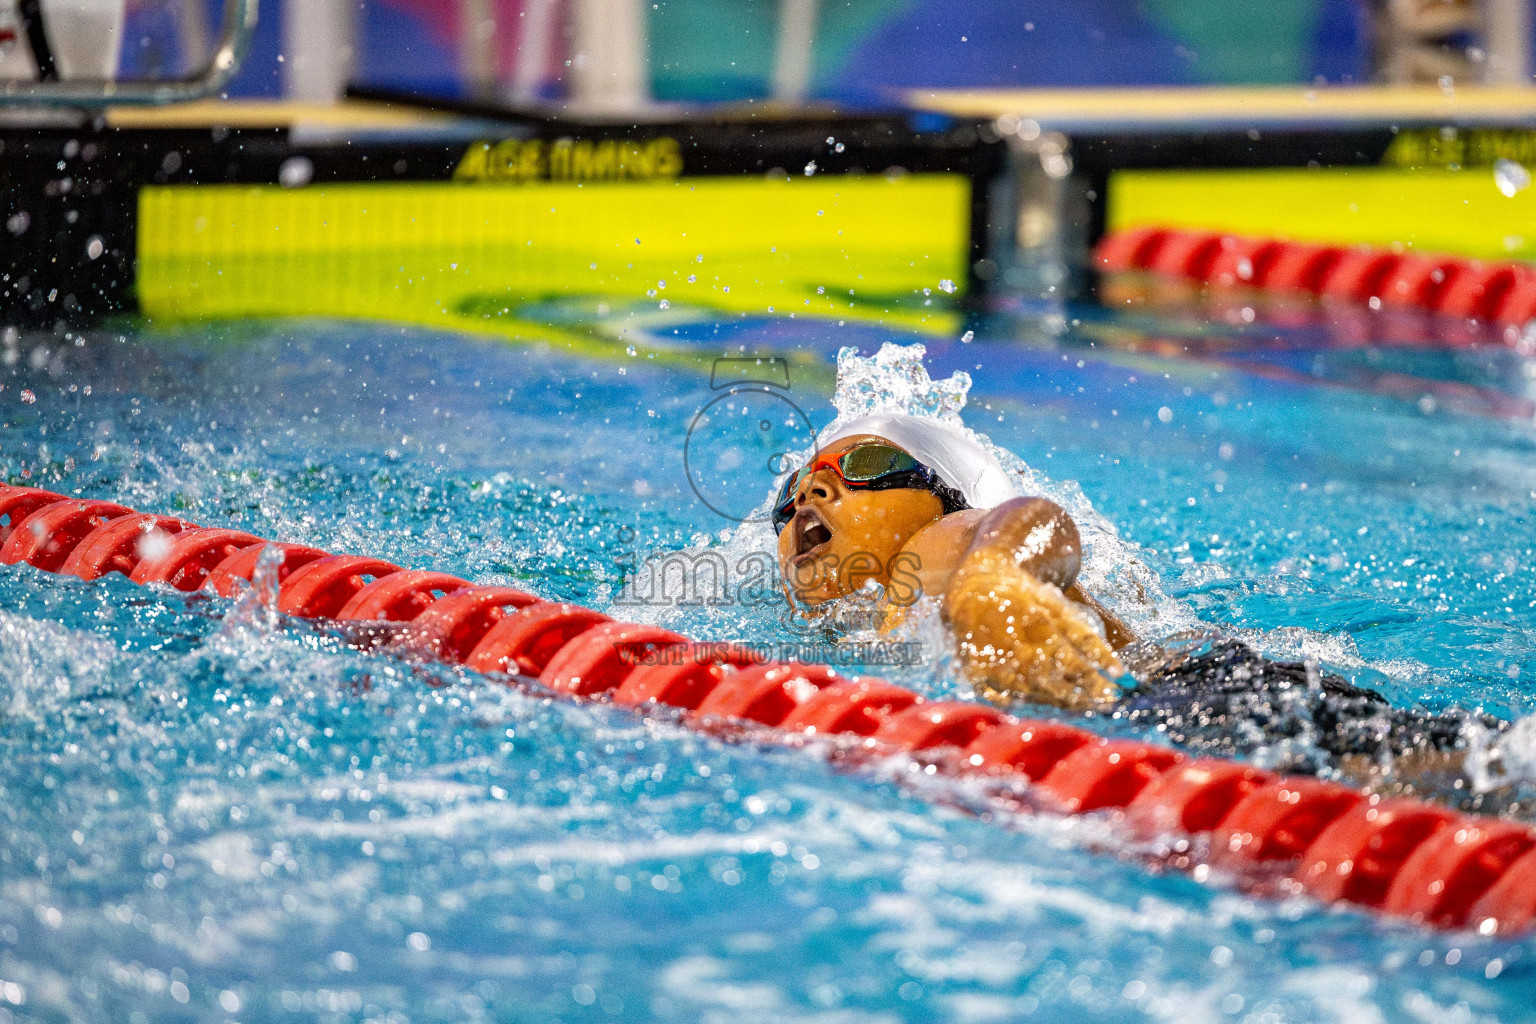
[{"x": 844, "y": 516}]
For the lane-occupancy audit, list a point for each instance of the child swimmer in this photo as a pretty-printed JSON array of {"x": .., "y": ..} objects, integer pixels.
[{"x": 921, "y": 509}]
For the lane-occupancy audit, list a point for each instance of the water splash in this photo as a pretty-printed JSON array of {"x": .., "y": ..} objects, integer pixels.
[{"x": 895, "y": 380}]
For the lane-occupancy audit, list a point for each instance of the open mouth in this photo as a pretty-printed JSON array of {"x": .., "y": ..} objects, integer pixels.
[{"x": 811, "y": 531}]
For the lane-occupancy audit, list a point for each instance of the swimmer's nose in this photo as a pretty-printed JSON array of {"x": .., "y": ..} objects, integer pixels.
[{"x": 821, "y": 485}]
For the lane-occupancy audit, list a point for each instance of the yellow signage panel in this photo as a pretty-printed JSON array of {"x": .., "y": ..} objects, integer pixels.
[
  {"x": 1438, "y": 210},
  {"x": 467, "y": 255}
]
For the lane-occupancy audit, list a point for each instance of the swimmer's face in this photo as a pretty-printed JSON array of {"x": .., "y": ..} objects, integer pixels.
[{"x": 841, "y": 537}]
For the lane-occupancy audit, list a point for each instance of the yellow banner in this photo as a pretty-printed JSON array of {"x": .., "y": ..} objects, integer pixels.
[
  {"x": 475, "y": 255},
  {"x": 1462, "y": 212}
]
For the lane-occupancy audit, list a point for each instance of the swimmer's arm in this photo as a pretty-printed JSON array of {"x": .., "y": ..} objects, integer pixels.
[
  {"x": 1045, "y": 543},
  {"x": 1019, "y": 633},
  {"x": 1039, "y": 535}
]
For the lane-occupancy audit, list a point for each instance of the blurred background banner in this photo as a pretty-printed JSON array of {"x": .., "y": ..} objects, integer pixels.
[{"x": 861, "y": 53}]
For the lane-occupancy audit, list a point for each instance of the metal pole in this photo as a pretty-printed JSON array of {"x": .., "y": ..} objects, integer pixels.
[
  {"x": 318, "y": 49},
  {"x": 792, "y": 67},
  {"x": 534, "y": 43},
  {"x": 608, "y": 56},
  {"x": 477, "y": 46},
  {"x": 1507, "y": 38}
]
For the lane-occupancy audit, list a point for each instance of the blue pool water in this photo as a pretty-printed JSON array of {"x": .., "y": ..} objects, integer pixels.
[{"x": 206, "y": 816}]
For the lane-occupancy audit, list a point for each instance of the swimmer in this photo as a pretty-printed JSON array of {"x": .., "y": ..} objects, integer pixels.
[{"x": 921, "y": 509}]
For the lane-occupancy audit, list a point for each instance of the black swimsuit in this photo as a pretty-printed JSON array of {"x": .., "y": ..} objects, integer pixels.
[{"x": 1222, "y": 697}]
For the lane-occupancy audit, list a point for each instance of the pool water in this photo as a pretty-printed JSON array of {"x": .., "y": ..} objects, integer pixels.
[{"x": 211, "y": 816}]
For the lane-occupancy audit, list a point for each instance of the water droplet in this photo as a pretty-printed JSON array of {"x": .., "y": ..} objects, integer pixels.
[
  {"x": 1511, "y": 177},
  {"x": 810, "y": 168},
  {"x": 296, "y": 172}
]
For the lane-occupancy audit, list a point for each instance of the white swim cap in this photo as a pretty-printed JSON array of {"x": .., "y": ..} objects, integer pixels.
[{"x": 960, "y": 462}]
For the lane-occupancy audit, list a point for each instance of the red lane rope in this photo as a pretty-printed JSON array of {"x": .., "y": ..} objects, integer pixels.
[
  {"x": 1497, "y": 292},
  {"x": 118, "y": 545},
  {"x": 241, "y": 565},
  {"x": 1404, "y": 857}
]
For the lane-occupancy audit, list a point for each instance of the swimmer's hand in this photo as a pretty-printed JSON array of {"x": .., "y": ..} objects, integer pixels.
[{"x": 1021, "y": 637}]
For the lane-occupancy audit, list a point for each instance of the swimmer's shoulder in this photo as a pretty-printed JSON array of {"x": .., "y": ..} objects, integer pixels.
[{"x": 936, "y": 551}]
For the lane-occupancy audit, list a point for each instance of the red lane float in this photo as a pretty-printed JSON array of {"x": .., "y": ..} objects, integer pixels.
[
  {"x": 320, "y": 589},
  {"x": 1501, "y": 292},
  {"x": 1029, "y": 748},
  {"x": 118, "y": 545},
  {"x": 1300, "y": 268},
  {"x": 191, "y": 556},
  {"x": 1405, "y": 857},
  {"x": 46, "y": 538},
  {"x": 1107, "y": 773},
  {"x": 1356, "y": 857},
  {"x": 1193, "y": 797},
  {"x": 1509, "y": 905},
  {"x": 224, "y": 579},
  {"x": 524, "y": 643},
  {"x": 399, "y": 596},
  {"x": 17, "y": 503},
  {"x": 1242, "y": 261},
  {"x": 452, "y": 625},
  {"x": 685, "y": 681},
  {"x": 1417, "y": 280},
  {"x": 1452, "y": 869},
  {"x": 1281, "y": 820},
  {"x": 857, "y": 706},
  {"x": 1185, "y": 254},
  {"x": 950, "y": 723},
  {"x": 1357, "y": 274},
  {"x": 766, "y": 693},
  {"x": 600, "y": 658}
]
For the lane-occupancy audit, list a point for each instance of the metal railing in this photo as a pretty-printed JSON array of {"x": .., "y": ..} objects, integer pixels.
[{"x": 234, "y": 42}]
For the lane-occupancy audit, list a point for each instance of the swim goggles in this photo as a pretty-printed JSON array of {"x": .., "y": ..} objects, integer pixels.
[{"x": 867, "y": 467}]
